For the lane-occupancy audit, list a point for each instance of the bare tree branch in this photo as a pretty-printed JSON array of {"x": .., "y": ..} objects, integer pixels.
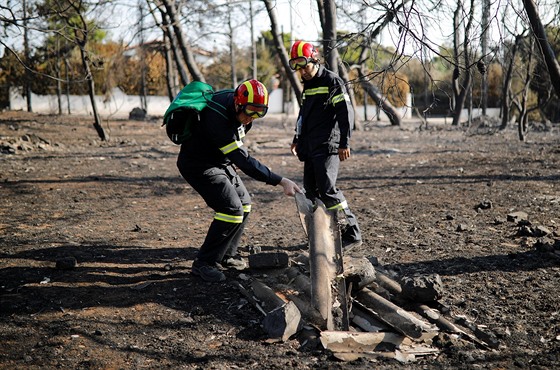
[{"x": 546, "y": 49}]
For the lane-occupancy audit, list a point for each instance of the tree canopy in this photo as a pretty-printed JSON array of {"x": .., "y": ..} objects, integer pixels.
[{"x": 405, "y": 47}]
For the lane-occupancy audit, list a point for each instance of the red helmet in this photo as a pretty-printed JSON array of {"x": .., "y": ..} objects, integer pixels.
[
  {"x": 251, "y": 92},
  {"x": 303, "y": 49}
]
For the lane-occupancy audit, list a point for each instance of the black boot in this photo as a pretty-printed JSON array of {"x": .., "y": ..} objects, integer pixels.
[
  {"x": 217, "y": 242},
  {"x": 351, "y": 235}
]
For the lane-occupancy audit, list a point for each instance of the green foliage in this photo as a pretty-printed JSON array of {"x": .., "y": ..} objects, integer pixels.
[
  {"x": 12, "y": 71},
  {"x": 113, "y": 65}
]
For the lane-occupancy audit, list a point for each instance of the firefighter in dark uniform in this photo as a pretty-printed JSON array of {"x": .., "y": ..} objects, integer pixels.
[
  {"x": 208, "y": 162},
  {"x": 323, "y": 131}
]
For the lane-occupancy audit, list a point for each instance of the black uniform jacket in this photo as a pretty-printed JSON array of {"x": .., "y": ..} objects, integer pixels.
[
  {"x": 218, "y": 142},
  {"x": 326, "y": 117}
]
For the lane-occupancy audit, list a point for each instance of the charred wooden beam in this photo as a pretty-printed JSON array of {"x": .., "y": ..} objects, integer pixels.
[
  {"x": 268, "y": 260},
  {"x": 393, "y": 315},
  {"x": 328, "y": 289},
  {"x": 478, "y": 336},
  {"x": 364, "y": 319},
  {"x": 344, "y": 341},
  {"x": 305, "y": 210},
  {"x": 249, "y": 297},
  {"x": 349, "y": 346},
  {"x": 283, "y": 319}
]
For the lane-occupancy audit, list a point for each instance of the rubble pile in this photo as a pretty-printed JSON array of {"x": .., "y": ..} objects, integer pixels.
[
  {"x": 23, "y": 143},
  {"x": 353, "y": 307}
]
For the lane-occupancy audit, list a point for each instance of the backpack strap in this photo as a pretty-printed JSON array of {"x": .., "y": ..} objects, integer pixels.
[{"x": 215, "y": 106}]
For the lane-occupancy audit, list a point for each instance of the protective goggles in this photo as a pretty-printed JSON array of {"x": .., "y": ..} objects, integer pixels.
[
  {"x": 299, "y": 63},
  {"x": 255, "y": 110}
]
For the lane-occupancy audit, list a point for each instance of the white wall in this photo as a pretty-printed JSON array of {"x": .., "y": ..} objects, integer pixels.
[{"x": 120, "y": 105}]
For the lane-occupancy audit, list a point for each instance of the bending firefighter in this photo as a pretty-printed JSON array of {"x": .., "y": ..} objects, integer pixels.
[
  {"x": 206, "y": 161},
  {"x": 323, "y": 131}
]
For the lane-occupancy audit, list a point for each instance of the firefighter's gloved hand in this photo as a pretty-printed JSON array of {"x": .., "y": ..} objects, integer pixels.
[{"x": 290, "y": 187}]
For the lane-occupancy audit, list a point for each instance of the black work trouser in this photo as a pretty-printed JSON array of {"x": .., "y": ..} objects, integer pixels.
[
  {"x": 224, "y": 192},
  {"x": 319, "y": 180}
]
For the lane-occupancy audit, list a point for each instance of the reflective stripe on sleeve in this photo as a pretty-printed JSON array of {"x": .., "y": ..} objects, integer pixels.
[
  {"x": 231, "y": 147},
  {"x": 339, "y": 98},
  {"x": 228, "y": 218},
  {"x": 247, "y": 208},
  {"x": 317, "y": 91}
]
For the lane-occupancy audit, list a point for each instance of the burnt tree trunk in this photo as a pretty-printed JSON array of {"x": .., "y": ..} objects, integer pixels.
[
  {"x": 281, "y": 50},
  {"x": 461, "y": 89},
  {"x": 329, "y": 35},
  {"x": 384, "y": 104},
  {"x": 546, "y": 50},
  {"x": 182, "y": 43},
  {"x": 179, "y": 63},
  {"x": 81, "y": 31},
  {"x": 506, "y": 89},
  {"x": 27, "y": 51},
  {"x": 333, "y": 61},
  {"x": 91, "y": 90},
  {"x": 522, "y": 105}
]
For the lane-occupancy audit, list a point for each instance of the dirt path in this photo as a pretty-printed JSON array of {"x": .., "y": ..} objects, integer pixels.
[{"x": 133, "y": 225}]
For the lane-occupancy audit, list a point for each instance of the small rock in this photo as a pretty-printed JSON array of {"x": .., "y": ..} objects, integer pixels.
[
  {"x": 137, "y": 114},
  {"x": 422, "y": 288},
  {"x": 517, "y": 216},
  {"x": 499, "y": 220},
  {"x": 254, "y": 249},
  {"x": 462, "y": 227},
  {"x": 525, "y": 231},
  {"x": 546, "y": 245},
  {"x": 541, "y": 231},
  {"x": 485, "y": 204},
  {"x": 524, "y": 223}
]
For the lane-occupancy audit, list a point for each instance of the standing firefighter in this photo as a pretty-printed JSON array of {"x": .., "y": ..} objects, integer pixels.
[
  {"x": 323, "y": 130},
  {"x": 207, "y": 161}
]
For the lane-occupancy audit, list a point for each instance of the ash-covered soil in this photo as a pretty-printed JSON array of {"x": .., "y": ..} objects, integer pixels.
[{"x": 433, "y": 201}]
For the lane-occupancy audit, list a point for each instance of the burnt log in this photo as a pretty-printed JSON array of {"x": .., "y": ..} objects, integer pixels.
[
  {"x": 283, "y": 319},
  {"x": 359, "y": 272},
  {"x": 328, "y": 289},
  {"x": 364, "y": 319},
  {"x": 268, "y": 260},
  {"x": 387, "y": 283},
  {"x": 393, "y": 315}
]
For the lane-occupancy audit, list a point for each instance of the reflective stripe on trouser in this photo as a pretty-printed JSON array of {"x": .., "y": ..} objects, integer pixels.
[
  {"x": 319, "y": 179},
  {"x": 224, "y": 192}
]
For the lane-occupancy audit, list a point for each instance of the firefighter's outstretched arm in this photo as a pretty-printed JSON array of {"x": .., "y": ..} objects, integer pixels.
[{"x": 290, "y": 187}]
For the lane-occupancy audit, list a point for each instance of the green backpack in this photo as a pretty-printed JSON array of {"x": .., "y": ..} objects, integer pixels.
[{"x": 184, "y": 110}]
